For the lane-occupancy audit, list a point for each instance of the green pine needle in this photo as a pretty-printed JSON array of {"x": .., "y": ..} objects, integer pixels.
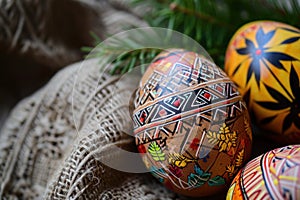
[
  {"x": 124, "y": 62},
  {"x": 211, "y": 23}
]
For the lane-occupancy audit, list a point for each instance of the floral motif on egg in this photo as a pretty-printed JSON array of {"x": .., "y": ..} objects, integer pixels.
[
  {"x": 190, "y": 124},
  {"x": 263, "y": 60},
  {"x": 273, "y": 175}
]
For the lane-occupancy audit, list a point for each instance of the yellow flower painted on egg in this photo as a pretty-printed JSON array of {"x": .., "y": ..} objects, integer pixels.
[
  {"x": 248, "y": 127},
  {"x": 212, "y": 137},
  {"x": 225, "y": 139},
  {"x": 224, "y": 129},
  {"x": 239, "y": 159},
  {"x": 230, "y": 169},
  {"x": 260, "y": 54},
  {"x": 178, "y": 160}
]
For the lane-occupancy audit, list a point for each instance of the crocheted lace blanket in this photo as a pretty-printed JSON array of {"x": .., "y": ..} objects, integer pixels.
[{"x": 52, "y": 142}]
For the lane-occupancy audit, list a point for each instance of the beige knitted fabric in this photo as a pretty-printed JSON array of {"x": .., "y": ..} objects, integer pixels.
[
  {"x": 39, "y": 37},
  {"x": 52, "y": 143},
  {"x": 43, "y": 155}
]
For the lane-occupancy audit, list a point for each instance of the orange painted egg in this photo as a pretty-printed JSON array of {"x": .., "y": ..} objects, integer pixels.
[
  {"x": 273, "y": 175},
  {"x": 262, "y": 59},
  {"x": 191, "y": 125}
]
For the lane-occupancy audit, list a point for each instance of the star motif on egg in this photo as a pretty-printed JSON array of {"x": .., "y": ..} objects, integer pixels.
[{"x": 261, "y": 55}]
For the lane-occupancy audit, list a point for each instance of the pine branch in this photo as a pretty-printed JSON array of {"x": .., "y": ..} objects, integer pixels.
[
  {"x": 211, "y": 23},
  {"x": 202, "y": 16},
  {"x": 125, "y": 62},
  {"x": 140, "y": 57},
  {"x": 123, "y": 55}
]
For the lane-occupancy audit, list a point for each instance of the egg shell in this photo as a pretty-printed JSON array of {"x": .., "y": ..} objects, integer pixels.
[
  {"x": 191, "y": 125},
  {"x": 262, "y": 59},
  {"x": 273, "y": 175}
]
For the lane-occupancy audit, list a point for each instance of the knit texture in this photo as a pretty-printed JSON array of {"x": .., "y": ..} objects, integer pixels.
[{"x": 52, "y": 143}]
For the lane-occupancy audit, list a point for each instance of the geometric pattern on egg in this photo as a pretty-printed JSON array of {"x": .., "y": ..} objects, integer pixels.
[
  {"x": 191, "y": 125},
  {"x": 273, "y": 175}
]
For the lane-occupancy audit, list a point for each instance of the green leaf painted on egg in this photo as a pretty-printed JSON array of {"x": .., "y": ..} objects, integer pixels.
[
  {"x": 195, "y": 180},
  {"x": 216, "y": 181},
  {"x": 156, "y": 152},
  {"x": 199, "y": 178},
  {"x": 198, "y": 170}
]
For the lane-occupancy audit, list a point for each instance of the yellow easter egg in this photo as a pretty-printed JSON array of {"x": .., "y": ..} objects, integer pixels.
[{"x": 262, "y": 59}]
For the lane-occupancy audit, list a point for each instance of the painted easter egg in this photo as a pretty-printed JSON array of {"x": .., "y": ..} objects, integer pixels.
[
  {"x": 273, "y": 175},
  {"x": 191, "y": 125},
  {"x": 262, "y": 59}
]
